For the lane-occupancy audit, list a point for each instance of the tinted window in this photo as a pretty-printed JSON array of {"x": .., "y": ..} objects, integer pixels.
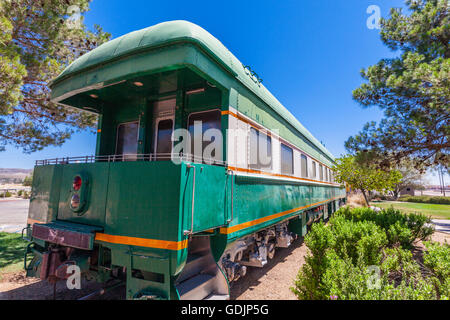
[
  {"x": 260, "y": 150},
  {"x": 320, "y": 172},
  {"x": 287, "y": 160},
  {"x": 304, "y": 165},
  {"x": 127, "y": 140}
]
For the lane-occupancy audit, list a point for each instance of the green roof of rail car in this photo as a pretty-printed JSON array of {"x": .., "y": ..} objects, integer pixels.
[{"x": 177, "y": 31}]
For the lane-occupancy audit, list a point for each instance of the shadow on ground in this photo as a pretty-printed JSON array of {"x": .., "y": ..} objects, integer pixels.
[
  {"x": 35, "y": 289},
  {"x": 12, "y": 248}
]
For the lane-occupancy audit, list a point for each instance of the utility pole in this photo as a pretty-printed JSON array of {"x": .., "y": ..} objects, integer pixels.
[{"x": 443, "y": 183}]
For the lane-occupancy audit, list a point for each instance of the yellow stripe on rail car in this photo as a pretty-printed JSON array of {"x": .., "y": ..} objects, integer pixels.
[
  {"x": 142, "y": 242},
  {"x": 252, "y": 223}
]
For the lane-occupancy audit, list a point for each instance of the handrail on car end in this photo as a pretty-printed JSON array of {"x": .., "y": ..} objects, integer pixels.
[
  {"x": 231, "y": 172},
  {"x": 186, "y": 232},
  {"x": 25, "y": 237}
]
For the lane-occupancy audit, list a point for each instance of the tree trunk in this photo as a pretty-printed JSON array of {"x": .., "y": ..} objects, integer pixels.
[
  {"x": 365, "y": 197},
  {"x": 396, "y": 192}
]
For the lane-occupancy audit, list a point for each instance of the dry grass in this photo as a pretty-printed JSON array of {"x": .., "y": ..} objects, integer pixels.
[{"x": 356, "y": 200}]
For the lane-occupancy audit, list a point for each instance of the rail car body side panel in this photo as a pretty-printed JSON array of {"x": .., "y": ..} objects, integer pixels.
[{"x": 261, "y": 202}]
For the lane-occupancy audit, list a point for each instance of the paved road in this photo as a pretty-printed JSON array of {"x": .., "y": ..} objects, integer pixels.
[
  {"x": 442, "y": 225},
  {"x": 13, "y": 215}
]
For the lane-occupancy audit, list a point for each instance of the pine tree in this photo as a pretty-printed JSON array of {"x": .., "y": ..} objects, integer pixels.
[
  {"x": 412, "y": 89},
  {"x": 39, "y": 39}
]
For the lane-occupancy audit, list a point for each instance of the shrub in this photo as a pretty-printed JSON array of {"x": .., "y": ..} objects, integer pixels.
[
  {"x": 426, "y": 199},
  {"x": 437, "y": 260},
  {"x": 361, "y": 255},
  {"x": 401, "y": 229},
  {"x": 6, "y": 194}
]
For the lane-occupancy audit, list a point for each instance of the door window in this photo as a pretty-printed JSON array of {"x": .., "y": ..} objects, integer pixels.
[
  {"x": 164, "y": 139},
  {"x": 127, "y": 140}
]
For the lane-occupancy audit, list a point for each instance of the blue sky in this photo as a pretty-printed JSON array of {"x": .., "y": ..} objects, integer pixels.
[{"x": 309, "y": 54}]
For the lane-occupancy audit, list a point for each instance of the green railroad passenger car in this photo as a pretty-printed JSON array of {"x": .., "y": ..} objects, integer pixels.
[{"x": 175, "y": 222}]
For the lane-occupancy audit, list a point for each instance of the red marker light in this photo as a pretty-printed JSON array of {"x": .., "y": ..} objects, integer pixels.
[{"x": 77, "y": 183}]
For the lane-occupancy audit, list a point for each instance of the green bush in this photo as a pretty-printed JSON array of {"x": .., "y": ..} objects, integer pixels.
[
  {"x": 425, "y": 199},
  {"x": 401, "y": 229},
  {"x": 437, "y": 260},
  {"x": 6, "y": 194},
  {"x": 362, "y": 254}
]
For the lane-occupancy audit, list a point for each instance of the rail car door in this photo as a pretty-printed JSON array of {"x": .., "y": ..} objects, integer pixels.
[{"x": 163, "y": 124}]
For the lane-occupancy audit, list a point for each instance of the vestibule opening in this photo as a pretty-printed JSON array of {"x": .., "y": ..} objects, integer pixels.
[{"x": 138, "y": 116}]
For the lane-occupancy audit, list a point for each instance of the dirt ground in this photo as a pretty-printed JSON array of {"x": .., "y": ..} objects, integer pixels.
[
  {"x": 272, "y": 282},
  {"x": 15, "y": 286}
]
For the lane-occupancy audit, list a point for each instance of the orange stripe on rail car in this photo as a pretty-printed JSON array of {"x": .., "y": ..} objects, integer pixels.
[
  {"x": 142, "y": 242},
  {"x": 252, "y": 223},
  {"x": 32, "y": 221}
]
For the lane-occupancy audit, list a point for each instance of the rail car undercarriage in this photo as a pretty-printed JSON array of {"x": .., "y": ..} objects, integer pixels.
[{"x": 258, "y": 248}]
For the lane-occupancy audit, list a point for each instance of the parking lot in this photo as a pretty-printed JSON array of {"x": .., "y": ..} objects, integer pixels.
[{"x": 13, "y": 214}]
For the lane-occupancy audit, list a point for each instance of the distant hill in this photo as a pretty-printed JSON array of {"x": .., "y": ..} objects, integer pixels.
[{"x": 13, "y": 175}]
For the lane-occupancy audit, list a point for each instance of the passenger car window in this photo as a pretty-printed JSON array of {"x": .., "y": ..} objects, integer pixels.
[
  {"x": 320, "y": 172},
  {"x": 304, "y": 165},
  {"x": 287, "y": 160},
  {"x": 209, "y": 120},
  {"x": 314, "y": 170},
  {"x": 260, "y": 150},
  {"x": 127, "y": 140}
]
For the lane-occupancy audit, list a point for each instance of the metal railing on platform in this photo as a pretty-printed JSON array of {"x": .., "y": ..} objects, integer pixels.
[{"x": 131, "y": 157}]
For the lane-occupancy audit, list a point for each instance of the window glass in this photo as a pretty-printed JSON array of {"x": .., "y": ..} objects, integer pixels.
[
  {"x": 314, "y": 170},
  {"x": 127, "y": 140},
  {"x": 207, "y": 120},
  {"x": 304, "y": 165},
  {"x": 260, "y": 150},
  {"x": 320, "y": 172},
  {"x": 163, "y": 139},
  {"x": 287, "y": 160}
]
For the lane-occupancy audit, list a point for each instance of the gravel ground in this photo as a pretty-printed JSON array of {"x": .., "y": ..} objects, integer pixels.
[{"x": 272, "y": 282}]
